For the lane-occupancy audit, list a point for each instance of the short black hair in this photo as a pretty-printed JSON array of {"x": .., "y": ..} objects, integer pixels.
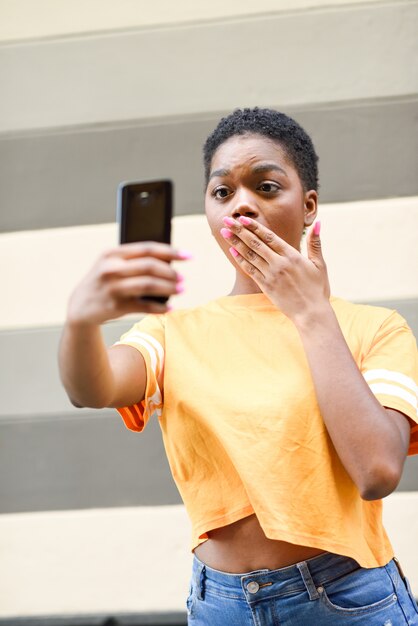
[{"x": 272, "y": 124}]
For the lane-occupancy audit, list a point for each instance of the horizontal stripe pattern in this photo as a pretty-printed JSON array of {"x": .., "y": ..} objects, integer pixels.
[
  {"x": 386, "y": 389},
  {"x": 155, "y": 351},
  {"x": 48, "y": 19},
  {"x": 378, "y": 269},
  {"x": 111, "y": 559},
  {"x": 389, "y": 383},
  {"x": 135, "y": 76},
  {"x": 73, "y": 175},
  {"x": 55, "y": 457},
  {"x": 71, "y": 147},
  {"x": 389, "y": 375},
  {"x": 153, "y": 348}
]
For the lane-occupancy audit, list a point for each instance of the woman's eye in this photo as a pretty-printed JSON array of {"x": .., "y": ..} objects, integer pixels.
[
  {"x": 269, "y": 187},
  {"x": 220, "y": 192}
]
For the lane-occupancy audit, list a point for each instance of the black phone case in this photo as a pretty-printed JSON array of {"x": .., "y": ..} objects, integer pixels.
[{"x": 144, "y": 212}]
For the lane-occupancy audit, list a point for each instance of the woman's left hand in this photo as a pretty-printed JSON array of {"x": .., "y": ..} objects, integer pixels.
[{"x": 298, "y": 286}]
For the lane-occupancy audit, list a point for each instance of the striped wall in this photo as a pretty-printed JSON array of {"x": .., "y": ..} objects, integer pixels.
[{"x": 92, "y": 94}]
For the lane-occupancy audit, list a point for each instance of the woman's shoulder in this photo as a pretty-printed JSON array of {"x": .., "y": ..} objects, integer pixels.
[{"x": 366, "y": 316}]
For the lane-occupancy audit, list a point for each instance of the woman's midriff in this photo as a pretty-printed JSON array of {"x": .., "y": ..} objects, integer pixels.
[{"x": 243, "y": 547}]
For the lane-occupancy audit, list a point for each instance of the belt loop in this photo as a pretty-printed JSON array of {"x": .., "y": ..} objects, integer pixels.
[
  {"x": 399, "y": 566},
  {"x": 200, "y": 582},
  {"x": 307, "y": 579}
]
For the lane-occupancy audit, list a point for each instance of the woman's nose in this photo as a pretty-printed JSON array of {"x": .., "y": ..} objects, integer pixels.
[{"x": 244, "y": 205}]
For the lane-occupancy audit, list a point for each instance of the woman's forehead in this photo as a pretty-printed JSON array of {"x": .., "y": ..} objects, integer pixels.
[{"x": 248, "y": 149}]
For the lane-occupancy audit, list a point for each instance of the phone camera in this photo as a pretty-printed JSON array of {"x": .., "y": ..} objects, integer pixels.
[{"x": 144, "y": 198}]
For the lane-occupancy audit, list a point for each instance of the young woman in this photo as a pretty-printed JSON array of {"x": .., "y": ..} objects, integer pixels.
[{"x": 287, "y": 414}]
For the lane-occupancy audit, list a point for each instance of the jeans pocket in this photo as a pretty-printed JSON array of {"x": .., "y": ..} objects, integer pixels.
[{"x": 363, "y": 592}]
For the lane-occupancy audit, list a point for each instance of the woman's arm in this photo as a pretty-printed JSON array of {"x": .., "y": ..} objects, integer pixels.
[
  {"x": 92, "y": 375},
  {"x": 95, "y": 376},
  {"x": 371, "y": 441}
]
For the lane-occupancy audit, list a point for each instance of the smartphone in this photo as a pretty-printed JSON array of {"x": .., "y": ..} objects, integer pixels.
[{"x": 144, "y": 212}]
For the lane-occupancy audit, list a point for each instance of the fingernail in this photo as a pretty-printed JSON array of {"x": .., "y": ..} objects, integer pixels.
[
  {"x": 184, "y": 254},
  {"x": 317, "y": 227},
  {"x": 169, "y": 307},
  {"x": 179, "y": 288},
  {"x": 228, "y": 221},
  {"x": 244, "y": 220},
  {"x": 234, "y": 252},
  {"x": 226, "y": 233},
  {"x": 179, "y": 277}
]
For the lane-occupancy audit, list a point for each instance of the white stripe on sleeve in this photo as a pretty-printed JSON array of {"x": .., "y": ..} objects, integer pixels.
[
  {"x": 393, "y": 390},
  {"x": 155, "y": 402},
  {"x": 153, "y": 347},
  {"x": 391, "y": 377}
]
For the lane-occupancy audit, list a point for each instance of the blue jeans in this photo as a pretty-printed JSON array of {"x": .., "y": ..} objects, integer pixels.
[{"x": 323, "y": 591}]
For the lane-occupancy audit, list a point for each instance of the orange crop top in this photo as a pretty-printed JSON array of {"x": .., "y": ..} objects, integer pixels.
[{"x": 231, "y": 387}]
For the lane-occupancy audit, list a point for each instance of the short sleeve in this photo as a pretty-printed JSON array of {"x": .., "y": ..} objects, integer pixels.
[
  {"x": 148, "y": 337},
  {"x": 390, "y": 368}
]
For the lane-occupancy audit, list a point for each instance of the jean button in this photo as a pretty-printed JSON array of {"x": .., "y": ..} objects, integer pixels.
[{"x": 253, "y": 587}]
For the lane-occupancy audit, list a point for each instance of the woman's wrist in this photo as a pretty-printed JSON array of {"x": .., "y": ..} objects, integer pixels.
[{"x": 318, "y": 317}]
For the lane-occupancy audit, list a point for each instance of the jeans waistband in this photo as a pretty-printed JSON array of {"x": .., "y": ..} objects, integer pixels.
[{"x": 309, "y": 575}]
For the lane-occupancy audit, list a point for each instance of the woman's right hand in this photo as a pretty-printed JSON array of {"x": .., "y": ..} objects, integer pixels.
[{"x": 121, "y": 277}]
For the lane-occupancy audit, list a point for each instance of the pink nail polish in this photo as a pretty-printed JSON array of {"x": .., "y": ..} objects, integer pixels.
[
  {"x": 226, "y": 233},
  {"x": 179, "y": 278},
  {"x": 317, "y": 227},
  {"x": 228, "y": 221},
  {"x": 244, "y": 220},
  {"x": 234, "y": 252},
  {"x": 179, "y": 288},
  {"x": 184, "y": 254}
]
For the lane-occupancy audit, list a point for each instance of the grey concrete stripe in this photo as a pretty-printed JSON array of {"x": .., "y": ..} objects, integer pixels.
[
  {"x": 115, "y": 619},
  {"x": 85, "y": 461},
  {"x": 407, "y": 308},
  {"x": 53, "y": 457},
  {"x": 409, "y": 480},
  {"x": 30, "y": 383},
  {"x": 81, "y": 462},
  {"x": 367, "y": 150},
  {"x": 306, "y": 56}
]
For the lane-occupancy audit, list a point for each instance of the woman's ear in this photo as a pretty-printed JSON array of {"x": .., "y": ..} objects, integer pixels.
[{"x": 310, "y": 207}]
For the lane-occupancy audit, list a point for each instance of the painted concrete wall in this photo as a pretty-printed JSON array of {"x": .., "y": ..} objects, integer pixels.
[
  {"x": 308, "y": 57},
  {"x": 20, "y": 19},
  {"x": 370, "y": 248},
  {"x": 94, "y": 93},
  {"x": 105, "y": 548}
]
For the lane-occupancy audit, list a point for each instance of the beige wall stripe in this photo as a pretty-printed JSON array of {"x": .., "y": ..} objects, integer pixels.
[
  {"x": 94, "y": 561},
  {"x": 370, "y": 248},
  {"x": 138, "y": 75},
  {"x": 52, "y": 18}
]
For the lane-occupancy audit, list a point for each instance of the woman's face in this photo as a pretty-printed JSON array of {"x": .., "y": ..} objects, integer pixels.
[{"x": 251, "y": 175}]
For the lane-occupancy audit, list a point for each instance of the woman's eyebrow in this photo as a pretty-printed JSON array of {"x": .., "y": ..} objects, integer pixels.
[
  {"x": 221, "y": 172},
  {"x": 257, "y": 169},
  {"x": 267, "y": 167}
]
